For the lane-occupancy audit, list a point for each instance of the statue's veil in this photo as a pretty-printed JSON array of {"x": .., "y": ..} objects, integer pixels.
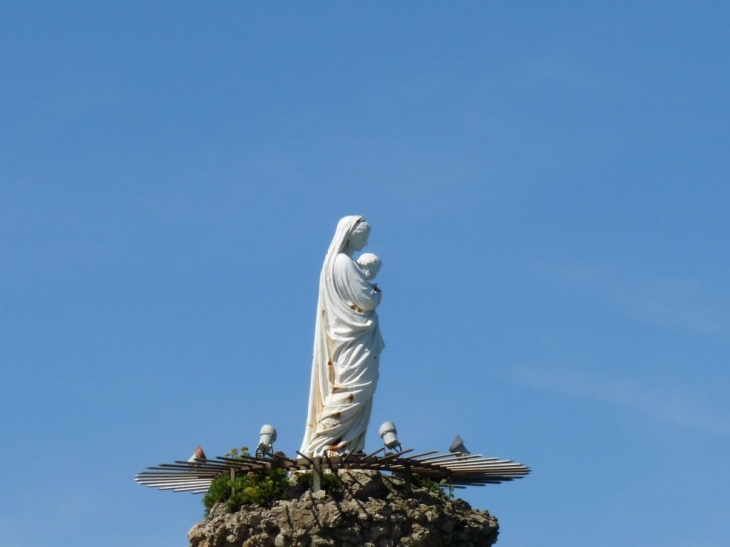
[{"x": 321, "y": 374}]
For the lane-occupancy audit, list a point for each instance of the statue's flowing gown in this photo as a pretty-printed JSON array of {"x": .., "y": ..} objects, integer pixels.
[{"x": 347, "y": 346}]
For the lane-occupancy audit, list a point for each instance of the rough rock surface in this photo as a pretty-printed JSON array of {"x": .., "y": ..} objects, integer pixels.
[{"x": 369, "y": 510}]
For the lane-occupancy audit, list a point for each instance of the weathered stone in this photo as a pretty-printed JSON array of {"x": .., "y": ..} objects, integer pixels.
[
  {"x": 377, "y": 531},
  {"x": 369, "y": 510}
]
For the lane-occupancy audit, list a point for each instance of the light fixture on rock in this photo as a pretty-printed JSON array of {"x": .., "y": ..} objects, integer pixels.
[
  {"x": 267, "y": 436},
  {"x": 388, "y": 433},
  {"x": 457, "y": 447},
  {"x": 198, "y": 455}
]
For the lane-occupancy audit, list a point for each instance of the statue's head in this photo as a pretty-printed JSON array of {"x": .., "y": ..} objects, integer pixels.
[
  {"x": 359, "y": 236},
  {"x": 370, "y": 265}
]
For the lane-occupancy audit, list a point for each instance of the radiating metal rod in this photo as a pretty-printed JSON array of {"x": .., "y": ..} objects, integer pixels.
[
  {"x": 374, "y": 453},
  {"x": 427, "y": 453},
  {"x": 459, "y": 469}
]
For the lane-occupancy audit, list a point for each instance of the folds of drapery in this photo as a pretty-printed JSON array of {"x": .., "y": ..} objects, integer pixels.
[{"x": 347, "y": 346}]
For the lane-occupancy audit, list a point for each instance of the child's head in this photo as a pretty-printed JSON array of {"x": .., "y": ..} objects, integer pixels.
[{"x": 370, "y": 265}]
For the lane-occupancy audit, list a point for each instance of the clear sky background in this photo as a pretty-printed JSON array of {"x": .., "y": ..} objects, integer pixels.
[{"x": 547, "y": 184}]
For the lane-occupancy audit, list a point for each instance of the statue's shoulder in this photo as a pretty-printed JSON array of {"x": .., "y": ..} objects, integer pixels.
[
  {"x": 346, "y": 268},
  {"x": 342, "y": 261}
]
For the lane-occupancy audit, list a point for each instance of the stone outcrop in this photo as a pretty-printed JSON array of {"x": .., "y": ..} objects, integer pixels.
[{"x": 369, "y": 509}]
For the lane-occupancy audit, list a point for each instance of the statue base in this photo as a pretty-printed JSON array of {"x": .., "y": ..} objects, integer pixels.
[{"x": 369, "y": 509}]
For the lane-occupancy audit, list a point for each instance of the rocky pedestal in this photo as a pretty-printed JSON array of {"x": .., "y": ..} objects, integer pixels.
[{"x": 368, "y": 509}]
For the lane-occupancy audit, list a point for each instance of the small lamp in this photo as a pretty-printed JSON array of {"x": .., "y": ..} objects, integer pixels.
[
  {"x": 197, "y": 456},
  {"x": 457, "y": 447},
  {"x": 267, "y": 436},
  {"x": 388, "y": 433}
]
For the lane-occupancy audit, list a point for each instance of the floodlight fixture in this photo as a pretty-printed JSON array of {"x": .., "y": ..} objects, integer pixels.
[
  {"x": 388, "y": 433},
  {"x": 457, "y": 447},
  {"x": 267, "y": 436},
  {"x": 198, "y": 455}
]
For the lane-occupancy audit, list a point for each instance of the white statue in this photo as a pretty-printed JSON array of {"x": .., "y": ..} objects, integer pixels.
[{"x": 347, "y": 346}]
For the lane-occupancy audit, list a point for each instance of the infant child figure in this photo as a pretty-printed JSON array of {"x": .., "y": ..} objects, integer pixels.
[{"x": 370, "y": 265}]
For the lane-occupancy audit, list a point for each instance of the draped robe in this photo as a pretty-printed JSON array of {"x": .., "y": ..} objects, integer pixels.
[{"x": 347, "y": 346}]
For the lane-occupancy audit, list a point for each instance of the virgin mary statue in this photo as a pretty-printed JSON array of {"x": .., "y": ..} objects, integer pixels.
[{"x": 347, "y": 346}]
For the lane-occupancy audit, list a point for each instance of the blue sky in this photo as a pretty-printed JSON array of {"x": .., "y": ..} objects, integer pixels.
[{"x": 547, "y": 185}]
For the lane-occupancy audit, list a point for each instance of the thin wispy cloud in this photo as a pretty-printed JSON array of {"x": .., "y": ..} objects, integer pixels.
[
  {"x": 678, "y": 405},
  {"x": 653, "y": 299}
]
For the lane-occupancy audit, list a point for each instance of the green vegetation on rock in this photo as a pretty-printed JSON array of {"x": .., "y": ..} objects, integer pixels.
[{"x": 260, "y": 488}]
